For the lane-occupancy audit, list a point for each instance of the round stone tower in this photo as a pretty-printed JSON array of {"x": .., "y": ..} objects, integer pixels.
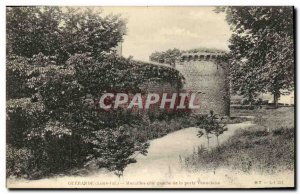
[{"x": 207, "y": 76}]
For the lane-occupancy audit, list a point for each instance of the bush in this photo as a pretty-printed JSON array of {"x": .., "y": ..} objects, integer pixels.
[
  {"x": 23, "y": 116},
  {"x": 18, "y": 162},
  {"x": 114, "y": 149}
]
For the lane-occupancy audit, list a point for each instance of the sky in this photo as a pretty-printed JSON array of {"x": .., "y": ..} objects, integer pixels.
[{"x": 151, "y": 29}]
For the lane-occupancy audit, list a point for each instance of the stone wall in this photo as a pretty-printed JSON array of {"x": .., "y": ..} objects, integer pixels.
[
  {"x": 202, "y": 74},
  {"x": 209, "y": 79}
]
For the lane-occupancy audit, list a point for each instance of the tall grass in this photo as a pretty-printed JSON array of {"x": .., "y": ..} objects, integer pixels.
[{"x": 267, "y": 147}]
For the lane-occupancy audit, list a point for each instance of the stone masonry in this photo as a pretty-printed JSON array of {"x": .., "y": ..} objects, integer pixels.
[{"x": 209, "y": 79}]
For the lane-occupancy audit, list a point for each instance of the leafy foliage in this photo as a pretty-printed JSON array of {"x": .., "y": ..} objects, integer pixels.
[
  {"x": 61, "y": 33},
  {"x": 211, "y": 126},
  {"x": 205, "y": 50},
  {"x": 58, "y": 61},
  {"x": 115, "y": 149},
  {"x": 16, "y": 76},
  {"x": 261, "y": 50},
  {"x": 169, "y": 56}
]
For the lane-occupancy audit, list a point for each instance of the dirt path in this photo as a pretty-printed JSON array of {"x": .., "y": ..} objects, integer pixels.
[
  {"x": 160, "y": 168},
  {"x": 163, "y": 158}
]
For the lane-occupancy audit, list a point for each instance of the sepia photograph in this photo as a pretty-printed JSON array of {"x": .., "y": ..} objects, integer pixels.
[{"x": 150, "y": 97}]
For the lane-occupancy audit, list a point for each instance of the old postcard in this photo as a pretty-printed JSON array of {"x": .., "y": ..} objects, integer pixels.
[{"x": 150, "y": 97}]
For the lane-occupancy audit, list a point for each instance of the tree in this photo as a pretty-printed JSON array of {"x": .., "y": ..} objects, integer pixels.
[
  {"x": 204, "y": 122},
  {"x": 261, "y": 50},
  {"x": 31, "y": 30},
  {"x": 219, "y": 130},
  {"x": 52, "y": 107},
  {"x": 169, "y": 56},
  {"x": 114, "y": 148},
  {"x": 59, "y": 32},
  {"x": 88, "y": 31},
  {"x": 46, "y": 110},
  {"x": 211, "y": 126}
]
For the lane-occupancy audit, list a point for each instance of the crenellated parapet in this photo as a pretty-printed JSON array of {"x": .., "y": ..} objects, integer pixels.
[{"x": 200, "y": 56}]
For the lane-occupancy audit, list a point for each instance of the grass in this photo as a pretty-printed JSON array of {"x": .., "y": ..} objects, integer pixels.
[
  {"x": 267, "y": 147},
  {"x": 268, "y": 117}
]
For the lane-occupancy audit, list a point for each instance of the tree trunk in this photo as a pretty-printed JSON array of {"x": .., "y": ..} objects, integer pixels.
[
  {"x": 250, "y": 99},
  {"x": 275, "y": 101},
  {"x": 207, "y": 142},
  {"x": 276, "y": 93},
  {"x": 276, "y": 97}
]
